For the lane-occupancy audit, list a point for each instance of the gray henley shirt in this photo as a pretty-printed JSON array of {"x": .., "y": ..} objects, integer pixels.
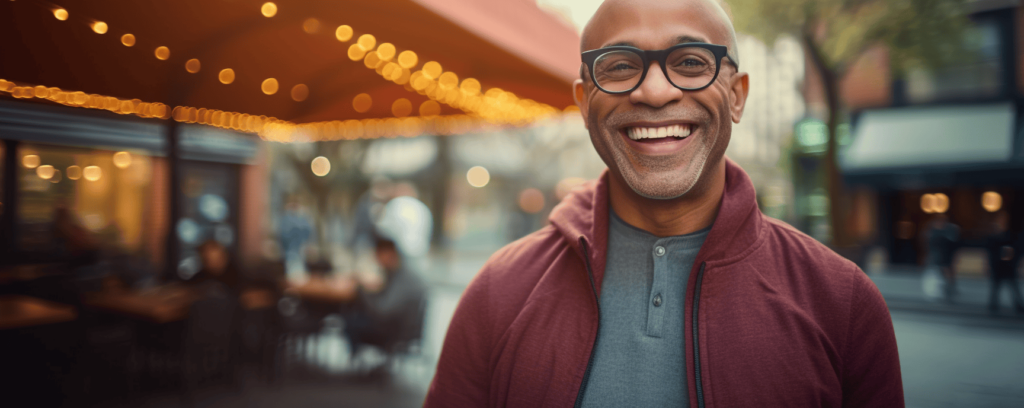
[{"x": 640, "y": 359}]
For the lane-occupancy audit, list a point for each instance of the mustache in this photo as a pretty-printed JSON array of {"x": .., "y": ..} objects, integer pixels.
[{"x": 649, "y": 114}]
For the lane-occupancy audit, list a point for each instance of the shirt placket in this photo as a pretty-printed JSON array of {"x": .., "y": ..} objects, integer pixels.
[{"x": 656, "y": 308}]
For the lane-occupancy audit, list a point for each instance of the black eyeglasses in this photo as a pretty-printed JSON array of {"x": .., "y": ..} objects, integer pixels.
[{"x": 689, "y": 66}]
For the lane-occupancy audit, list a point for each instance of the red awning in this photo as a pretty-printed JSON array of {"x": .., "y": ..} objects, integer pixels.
[{"x": 508, "y": 44}]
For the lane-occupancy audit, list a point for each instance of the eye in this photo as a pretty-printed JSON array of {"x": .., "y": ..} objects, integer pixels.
[
  {"x": 691, "y": 62},
  {"x": 621, "y": 66}
]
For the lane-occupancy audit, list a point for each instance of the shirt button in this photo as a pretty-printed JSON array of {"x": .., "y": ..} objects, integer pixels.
[
  {"x": 657, "y": 300},
  {"x": 659, "y": 250}
]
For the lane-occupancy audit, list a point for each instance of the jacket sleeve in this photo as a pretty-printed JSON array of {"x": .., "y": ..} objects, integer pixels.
[
  {"x": 463, "y": 371},
  {"x": 871, "y": 362}
]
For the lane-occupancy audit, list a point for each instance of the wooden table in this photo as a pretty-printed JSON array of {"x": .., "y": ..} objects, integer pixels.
[
  {"x": 164, "y": 304},
  {"x": 340, "y": 290},
  {"x": 161, "y": 304},
  {"x": 27, "y": 272},
  {"x": 24, "y": 311}
]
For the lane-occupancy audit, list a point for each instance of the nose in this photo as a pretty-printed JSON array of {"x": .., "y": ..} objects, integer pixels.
[{"x": 655, "y": 91}]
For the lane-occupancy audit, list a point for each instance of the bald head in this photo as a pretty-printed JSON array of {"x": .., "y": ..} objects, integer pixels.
[{"x": 615, "y": 14}]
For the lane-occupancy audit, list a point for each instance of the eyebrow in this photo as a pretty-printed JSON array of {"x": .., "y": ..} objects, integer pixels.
[{"x": 679, "y": 40}]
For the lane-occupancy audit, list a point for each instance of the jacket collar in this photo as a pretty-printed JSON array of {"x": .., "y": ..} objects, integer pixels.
[{"x": 737, "y": 228}]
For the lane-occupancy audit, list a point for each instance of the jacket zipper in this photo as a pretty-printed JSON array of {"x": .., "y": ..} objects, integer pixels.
[
  {"x": 696, "y": 339},
  {"x": 590, "y": 361}
]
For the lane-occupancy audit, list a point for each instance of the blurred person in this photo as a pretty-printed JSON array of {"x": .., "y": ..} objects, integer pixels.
[
  {"x": 367, "y": 209},
  {"x": 294, "y": 230},
  {"x": 386, "y": 313},
  {"x": 940, "y": 278},
  {"x": 1003, "y": 249},
  {"x": 218, "y": 273},
  {"x": 662, "y": 283}
]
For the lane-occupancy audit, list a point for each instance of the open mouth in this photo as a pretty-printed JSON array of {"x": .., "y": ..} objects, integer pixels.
[{"x": 660, "y": 133}]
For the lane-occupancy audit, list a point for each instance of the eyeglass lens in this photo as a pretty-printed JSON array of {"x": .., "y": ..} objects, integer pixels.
[{"x": 687, "y": 67}]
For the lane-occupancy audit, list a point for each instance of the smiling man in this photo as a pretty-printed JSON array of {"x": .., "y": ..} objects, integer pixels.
[{"x": 662, "y": 282}]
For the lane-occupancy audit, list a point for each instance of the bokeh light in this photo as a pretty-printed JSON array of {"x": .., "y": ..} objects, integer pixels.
[
  {"x": 300, "y": 92},
  {"x": 30, "y": 161},
  {"x": 531, "y": 200},
  {"x": 367, "y": 42},
  {"x": 269, "y": 86},
  {"x": 407, "y": 59},
  {"x": 269, "y": 9},
  {"x": 430, "y": 108},
  {"x": 432, "y": 69},
  {"x": 448, "y": 81},
  {"x": 362, "y": 103},
  {"x": 356, "y": 52},
  {"x": 386, "y": 51},
  {"x": 92, "y": 173},
  {"x": 192, "y": 65},
  {"x": 928, "y": 203},
  {"x": 74, "y": 172},
  {"x": 321, "y": 166},
  {"x": 470, "y": 86},
  {"x": 56, "y": 177},
  {"x": 401, "y": 108},
  {"x": 162, "y": 53},
  {"x": 60, "y": 14},
  {"x": 311, "y": 26},
  {"x": 128, "y": 40},
  {"x": 99, "y": 27},
  {"x": 122, "y": 160},
  {"x": 941, "y": 203},
  {"x": 45, "y": 171},
  {"x": 343, "y": 33},
  {"x": 226, "y": 76},
  {"x": 991, "y": 201},
  {"x": 477, "y": 176}
]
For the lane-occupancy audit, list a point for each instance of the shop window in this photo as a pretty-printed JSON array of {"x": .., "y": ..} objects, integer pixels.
[
  {"x": 976, "y": 74},
  {"x": 72, "y": 200},
  {"x": 209, "y": 203}
]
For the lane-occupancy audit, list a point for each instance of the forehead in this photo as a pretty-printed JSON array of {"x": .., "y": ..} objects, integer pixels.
[{"x": 655, "y": 24}]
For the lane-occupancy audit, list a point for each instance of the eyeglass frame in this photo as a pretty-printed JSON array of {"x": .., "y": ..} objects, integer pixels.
[{"x": 648, "y": 56}]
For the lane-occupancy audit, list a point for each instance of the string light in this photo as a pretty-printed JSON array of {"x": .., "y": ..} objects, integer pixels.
[
  {"x": 99, "y": 27},
  {"x": 343, "y": 33},
  {"x": 226, "y": 76},
  {"x": 269, "y": 9},
  {"x": 162, "y": 53},
  {"x": 192, "y": 66},
  {"x": 300, "y": 92},
  {"x": 269, "y": 86},
  {"x": 128, "y": 40},
  {"x": 60, "y": 14},
  {"x": 311, "y": 26}
]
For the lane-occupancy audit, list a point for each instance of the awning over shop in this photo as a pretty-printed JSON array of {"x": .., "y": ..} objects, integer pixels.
[{"x": 930, "y": 145}]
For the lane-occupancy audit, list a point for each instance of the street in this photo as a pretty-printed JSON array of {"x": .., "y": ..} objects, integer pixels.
[{"x": 960, "y": 361}]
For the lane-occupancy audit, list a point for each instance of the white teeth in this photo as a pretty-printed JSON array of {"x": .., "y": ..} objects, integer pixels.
[{"x": 637, "y": 133}]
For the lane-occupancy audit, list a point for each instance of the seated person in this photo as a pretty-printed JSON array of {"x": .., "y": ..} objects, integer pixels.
[
  {"x": 217, "y": 274},
  {"x": 392, "y": 314}
]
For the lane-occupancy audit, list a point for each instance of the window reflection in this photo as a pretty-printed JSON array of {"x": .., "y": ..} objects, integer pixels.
[{"x": 76, "y": 200}]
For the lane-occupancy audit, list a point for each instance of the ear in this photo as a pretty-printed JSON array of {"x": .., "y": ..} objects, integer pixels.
[
  {"x": 739, "y": 87},
  {"x": 579, "y": 94}
]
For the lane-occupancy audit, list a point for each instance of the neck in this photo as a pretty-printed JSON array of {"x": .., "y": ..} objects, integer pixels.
[{"x": 691, "y": 212}]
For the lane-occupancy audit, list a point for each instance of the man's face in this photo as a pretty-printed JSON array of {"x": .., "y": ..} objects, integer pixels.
[{"x": 666, "y": 167}]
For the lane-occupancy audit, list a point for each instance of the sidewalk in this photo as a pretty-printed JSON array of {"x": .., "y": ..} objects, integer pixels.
[{"x": 901, "y": 288}]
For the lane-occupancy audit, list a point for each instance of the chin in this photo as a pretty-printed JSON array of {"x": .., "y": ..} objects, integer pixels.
[{"x": 661, "y": 185}]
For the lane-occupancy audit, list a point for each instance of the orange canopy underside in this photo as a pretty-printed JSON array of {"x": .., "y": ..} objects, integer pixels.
[{"x": 486, "y": 40}]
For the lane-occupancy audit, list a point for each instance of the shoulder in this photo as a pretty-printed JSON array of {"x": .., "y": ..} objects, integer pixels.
[
  {"x": 792, "y": 244},
  {"x": 522, "y": 262}
]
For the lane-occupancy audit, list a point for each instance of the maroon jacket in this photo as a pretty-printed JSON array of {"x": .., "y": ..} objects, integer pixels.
[{"x": 774, "y": 318}]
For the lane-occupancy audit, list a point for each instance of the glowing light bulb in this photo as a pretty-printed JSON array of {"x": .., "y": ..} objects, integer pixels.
[
  {"x": 99, "y": 27},
  {"x": 320, "y": 166},
  {"x": 269, "y": 9},
  {"x": 73, "y": 172},
  {"x": 60, "y": 14},
  {"x": 343, "y": 33},
  {"x": 192, "y": 66},
  {"x": 300, "y": 92},
  {"x": 362, "y": 103},
  {"x": 478, "y": 176},
  {"x": 30, "y": 161},
  {"x": 226, "y": 76},
  {"x": 128, "y": 40},
  {"x": 92, "y": 173},
  {"x": 407, "y": 59},
  {"x": 162, "y": 53},
  {"x": 269, "y": 86},
  {"x": 45, "y": 171},
  {"x": 122, "y": 160}
]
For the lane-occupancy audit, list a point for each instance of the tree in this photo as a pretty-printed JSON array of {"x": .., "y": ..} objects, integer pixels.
[{"x": 834, "y": 33}]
